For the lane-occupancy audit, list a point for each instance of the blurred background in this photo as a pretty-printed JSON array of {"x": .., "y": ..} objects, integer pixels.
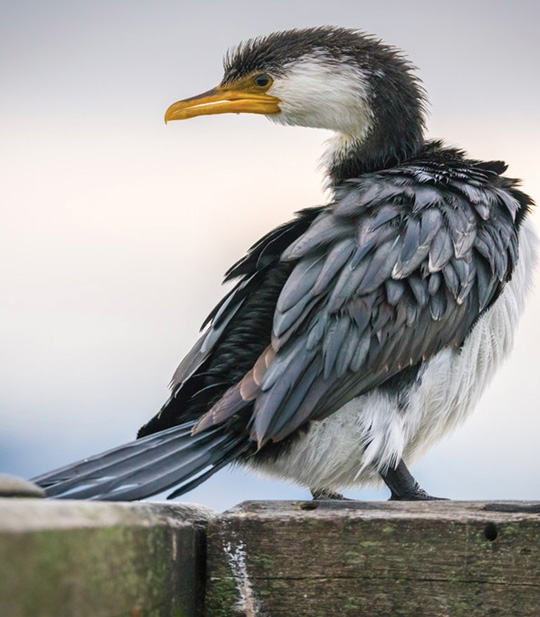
[{"x": 116, "y": 229}]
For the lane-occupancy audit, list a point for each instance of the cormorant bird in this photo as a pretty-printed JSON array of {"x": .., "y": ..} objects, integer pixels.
[{"x": 361, "y": 331}]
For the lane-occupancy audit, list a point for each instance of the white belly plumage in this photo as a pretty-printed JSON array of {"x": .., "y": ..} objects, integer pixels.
[{"x": 372, "y": 432}]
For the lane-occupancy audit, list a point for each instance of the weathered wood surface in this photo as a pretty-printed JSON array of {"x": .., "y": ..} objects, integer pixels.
[
  {"x": 13, "y": 486},
  {"x": 86, "y": 559},
  {"x": 323, "y": 559}
]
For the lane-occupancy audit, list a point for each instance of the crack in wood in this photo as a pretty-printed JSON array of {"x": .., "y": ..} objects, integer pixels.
[{"x": 391, "y": 578}]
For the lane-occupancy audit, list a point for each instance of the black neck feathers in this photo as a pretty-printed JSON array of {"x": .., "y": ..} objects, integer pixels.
[{"x": 397, "y": 102}]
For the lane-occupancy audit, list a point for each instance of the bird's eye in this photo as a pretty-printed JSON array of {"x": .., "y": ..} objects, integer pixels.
[{"x": 262, "y": 81}]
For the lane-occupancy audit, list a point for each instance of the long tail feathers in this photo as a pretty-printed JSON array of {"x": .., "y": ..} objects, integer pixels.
[{"x": 141, "y": 468}]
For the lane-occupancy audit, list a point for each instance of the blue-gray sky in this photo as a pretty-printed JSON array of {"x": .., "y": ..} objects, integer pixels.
[{"x": 116, "y": 229}]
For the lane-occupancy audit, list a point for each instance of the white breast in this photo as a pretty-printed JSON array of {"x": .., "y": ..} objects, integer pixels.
[{"x": 371, "y": 432}]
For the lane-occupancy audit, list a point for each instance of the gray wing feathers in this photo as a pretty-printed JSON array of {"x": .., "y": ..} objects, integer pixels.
[
  {"x": 393, "y": 271},
  {"x": 203, "y": 347},
  {"x": 440, "y": 250}
]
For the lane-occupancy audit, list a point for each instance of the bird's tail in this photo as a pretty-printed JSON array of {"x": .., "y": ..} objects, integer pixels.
[{"x": 141, "y": 468}]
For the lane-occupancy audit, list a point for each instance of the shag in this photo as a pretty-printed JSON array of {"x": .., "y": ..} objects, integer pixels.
[{"x": 362, "y": 331}]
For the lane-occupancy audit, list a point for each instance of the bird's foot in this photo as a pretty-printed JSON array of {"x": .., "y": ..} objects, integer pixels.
[
  {"x": 403, "y": 486},
  {"x": 417, "y": 495},
  {"x": 324, "y": 494}
]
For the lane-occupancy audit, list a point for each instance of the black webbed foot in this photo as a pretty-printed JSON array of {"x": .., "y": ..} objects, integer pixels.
[
  {"x": 403, "y": 486},
  {"x": 323, "y": 494},
  {"x": 419, "y": 495}
]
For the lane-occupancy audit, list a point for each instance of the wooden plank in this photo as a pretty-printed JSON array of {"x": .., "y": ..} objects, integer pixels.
[
  {"x": 324, "y": 559},
  {"x": 87, "y": 559}
]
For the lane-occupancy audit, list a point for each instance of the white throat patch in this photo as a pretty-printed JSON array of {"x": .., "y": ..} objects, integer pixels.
[{"x": 318, "y": 92}]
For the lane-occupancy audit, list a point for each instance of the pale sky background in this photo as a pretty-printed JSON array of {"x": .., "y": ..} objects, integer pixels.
[{"x": 116, "y": 230}]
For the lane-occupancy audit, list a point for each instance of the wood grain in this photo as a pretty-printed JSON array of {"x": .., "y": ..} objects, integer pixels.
[
  {"x": 422, "y": 559},
  {"x": 88, "y": 559}
]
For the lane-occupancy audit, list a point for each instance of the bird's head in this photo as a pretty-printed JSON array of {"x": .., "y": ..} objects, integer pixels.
[{"x": 330, "y": 78}]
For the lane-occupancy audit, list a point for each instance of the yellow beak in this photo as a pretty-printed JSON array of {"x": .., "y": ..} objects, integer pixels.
[{"x": 222, "y": 100}]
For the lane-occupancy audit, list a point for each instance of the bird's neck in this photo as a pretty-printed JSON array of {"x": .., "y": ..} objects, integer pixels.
[{"x": 385, "y": 145}]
